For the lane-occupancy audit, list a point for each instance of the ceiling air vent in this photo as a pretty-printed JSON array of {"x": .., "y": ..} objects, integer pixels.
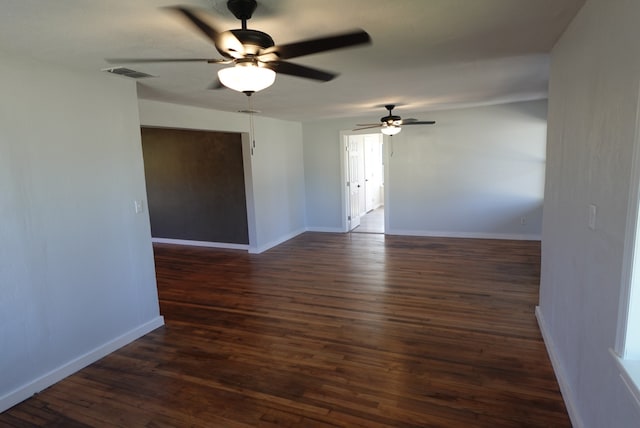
[{"x": 127, "y": 72}]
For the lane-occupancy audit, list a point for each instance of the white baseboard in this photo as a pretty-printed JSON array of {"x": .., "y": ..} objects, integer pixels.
[
  {"x": 472, "y": 235},
  {"x": 201, "y": 243},
  {"x": 568, "y": 395},
  {"x": 265, "y": 247},
  {"x": 438, "y": 234},
  {"x": 325, "y": 229},
  {"x": 22, "y": 393}
]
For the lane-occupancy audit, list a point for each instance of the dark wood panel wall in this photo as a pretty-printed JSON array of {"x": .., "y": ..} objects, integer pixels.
[{"x": 195, "y": 185}]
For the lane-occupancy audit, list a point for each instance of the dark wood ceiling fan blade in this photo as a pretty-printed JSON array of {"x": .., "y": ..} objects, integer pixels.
[
  {"x": 229, "y": 45},
  {"x": 191, "y": 15},
  {"x": 291, "y": 69},
  {"x": 150, "y": 60},
  {"x": 367, "y": 127},
  {"x": 322, "y": 44},
  {"x": 225, "y": 40},
  {"x": 420, "y": 122}
]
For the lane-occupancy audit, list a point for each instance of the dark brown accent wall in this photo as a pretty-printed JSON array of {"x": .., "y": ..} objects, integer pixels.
[{"x": 195, "y": 185}]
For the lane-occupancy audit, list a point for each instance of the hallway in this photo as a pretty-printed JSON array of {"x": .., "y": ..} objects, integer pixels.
[{"x": 372, "y": 222}]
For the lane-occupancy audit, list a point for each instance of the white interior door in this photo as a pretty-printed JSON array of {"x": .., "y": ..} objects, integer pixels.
[
  {"x": 373, "y": 171},
  {"x": 362, "y": 177},
  {"x": 354, "y": 184}
]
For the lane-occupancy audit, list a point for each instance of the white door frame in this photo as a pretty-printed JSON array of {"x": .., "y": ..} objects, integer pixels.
[{"x": 344, "y": 177}]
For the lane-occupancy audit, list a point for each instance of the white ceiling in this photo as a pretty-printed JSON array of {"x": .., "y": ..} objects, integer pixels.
[{"x": 425, "y": 55}]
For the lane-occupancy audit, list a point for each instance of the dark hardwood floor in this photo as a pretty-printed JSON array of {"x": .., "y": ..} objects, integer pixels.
[{"x": 327, "y": 330}]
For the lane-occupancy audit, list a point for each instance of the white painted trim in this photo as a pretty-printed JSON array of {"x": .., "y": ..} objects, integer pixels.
[
  {"x": 402, "y": 232},
  {"x": 22, "y": 393},
  {"x": 630, "y": 237},
  {"x": 201, "y": 243},
  {"x": 345, "y": 198},
  {"x": 630, "y": 374},
  {"x": 474, "y": 235},
  {"x": 387, "y": 145},
  {"x": 263, "y": 248},
  {"x": 344, "y": 190},
  {"x": 568, "y": 395},
  {"x": 325, "y": 229}
]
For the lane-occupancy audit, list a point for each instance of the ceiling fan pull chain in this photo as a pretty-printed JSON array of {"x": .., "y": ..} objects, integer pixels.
[{"x": 252, "y": 132}]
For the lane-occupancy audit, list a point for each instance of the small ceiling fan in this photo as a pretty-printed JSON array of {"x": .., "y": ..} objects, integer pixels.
[
  {"x": 391, "y": 124},
  {"x": 253, "y": 55}
]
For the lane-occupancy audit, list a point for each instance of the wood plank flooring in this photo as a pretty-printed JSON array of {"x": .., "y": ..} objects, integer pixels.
[
  {"x": 327, "y": 330},
  {"x": 371, "y": 222}
]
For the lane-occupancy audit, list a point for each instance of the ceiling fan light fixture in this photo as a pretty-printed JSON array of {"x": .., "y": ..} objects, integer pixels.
[
  {"x": 247, "y": 77},
  {"x": 390, "y": 129}
]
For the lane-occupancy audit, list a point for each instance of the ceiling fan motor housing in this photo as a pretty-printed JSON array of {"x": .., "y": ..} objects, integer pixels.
[
  {"x": 253, "y": 40},
  {"x": 390, "y": 119}
]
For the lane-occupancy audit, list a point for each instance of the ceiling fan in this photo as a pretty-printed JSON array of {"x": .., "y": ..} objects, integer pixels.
[
  {"x": 391, "y": 124},
  {"x": 253, "y": 55}
]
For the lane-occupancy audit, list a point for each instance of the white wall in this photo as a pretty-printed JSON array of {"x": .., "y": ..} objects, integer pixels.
[
  {"x": 77, "y": 276},
  {"x": 593, "y": 100},
  {"x": 323, "y": 174},
  {"x": 475, "y": 173},
  {"x": 275, "y": 181}
]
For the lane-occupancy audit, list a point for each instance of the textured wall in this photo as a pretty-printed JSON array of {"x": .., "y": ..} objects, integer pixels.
[
  {"x": 76, "y": 262},
  {"x": 593, "y": 99}
]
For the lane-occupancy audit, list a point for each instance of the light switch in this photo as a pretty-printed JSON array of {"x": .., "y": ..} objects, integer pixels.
[
  {"x": 592, "y": 217},
  {"x": 138, "y": 205}
]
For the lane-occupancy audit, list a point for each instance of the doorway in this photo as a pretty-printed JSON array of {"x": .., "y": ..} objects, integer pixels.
[{"x": 364, "y": 170}]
